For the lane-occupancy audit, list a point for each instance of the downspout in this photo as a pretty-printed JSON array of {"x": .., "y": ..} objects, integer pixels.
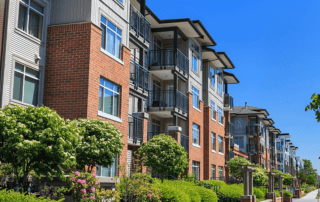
[{"x": 3, "y": 48}]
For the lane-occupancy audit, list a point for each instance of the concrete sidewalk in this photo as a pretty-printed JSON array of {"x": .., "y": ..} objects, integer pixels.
[{"x": 311, "y": 197}]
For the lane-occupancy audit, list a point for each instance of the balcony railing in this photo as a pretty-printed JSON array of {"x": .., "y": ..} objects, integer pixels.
[
  {"x": 135, "y": 130},
  {"x": 169, "y": 98},
  {"x": 184, "y": 141},
  {"x": 167, "y": 57},
  {"x": 252, "y": 130},
  {"x": 229, "y": 127},
  {"x": 139, "y": 76},
  {"x": 228, "y": 101},
  {"x": 252, "y": 148},
  {"x": 140, "y": 24},
  {"x": 174, "y": 135}
]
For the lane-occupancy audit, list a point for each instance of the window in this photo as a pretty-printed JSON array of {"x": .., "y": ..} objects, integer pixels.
[
  {"x": 211, "y": 77},
  {"x": 109, "y": 98},
  {"x": 220, "y": 115},
  {"x": 220, "y": 173},
  {"x": 279, "y": 167},
  {"x": 220, "y": 144},
  {"x": 196, "y": 169},
  {"x": 195, "y": 57},
  {"x": 31, "y": 18},
  {"x": 195, "y": 62},
  {"x": 26, "y": 85},
  {"x": 196, "y": 134},
  {"x": 213, "y": 112},
  {"x": 213, "y": 141},
  {"x": 195, "y": 97},
  {"x": 111, "y": 37},
  {"x": 213, "y": 172},
  {"x": 120, "y": 1},
  {"x": 220, "y": 86},
  {"x": 239, "y": 141},
  {"x": 108, "y": 171}
]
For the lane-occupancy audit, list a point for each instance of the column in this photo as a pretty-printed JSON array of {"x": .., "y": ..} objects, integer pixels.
[
  {"x": 251, "y": 182},
  {"x": 248, "y": 183},
  {"x": 280, "y": 177}
]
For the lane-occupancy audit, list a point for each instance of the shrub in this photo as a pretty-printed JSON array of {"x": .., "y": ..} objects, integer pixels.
[
  {"x": 233, "y": 191},
  {"x": 207, "y": 195},
  {"x": 259, "y": 193},
  {"x": 10, "y": 196},
  {"x": 235, "y": 169},
  {"x": 287, "y": 180},
  {"x": 171, "y": 193},
  {"x": 287, "y": 193},
  {"x": 259, "y": 176},
  {"x": 214, "y": 182}
]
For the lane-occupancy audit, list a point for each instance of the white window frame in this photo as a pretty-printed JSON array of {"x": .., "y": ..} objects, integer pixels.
[
  {"x": 196, "y": 128},
  {"x": 220, "y": 170},
  {"x": 196, "y": 166},
  {"x": 213, "y": 172},
  {"x": 220, "y": 114},
  {"x": 213, "y": 142},
  {"x": 110, "y": 167},
  {"x": 222, "y": 142},
  {"x": 196, "y": 55},
  {"x": 20, "y": 2},
  {"x": 213, "y": 110},
  {"x": 212, "y": 84},
  {"x": 23, "y": 85},
  {"x": 198, "y": 96},
  {"x": 113, "y": 91}
]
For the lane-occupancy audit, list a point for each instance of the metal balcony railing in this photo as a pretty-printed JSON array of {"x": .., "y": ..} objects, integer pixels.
[
  {"x": 169, "y": 98},
  {"x": 135, "y": 130},
  {"x": 251, "y": 130},
  {"x": 252, "y": 148},
  {"x": 174, "y": 135},
  {"x": 184, "y": 141},
  {"x": 169, "y": 57},
  {"x": 139, "y": 76},
  {"x": 228, "y": 101},
  {"x": 229, "y": 128},
  {"x": 140, "y": 24}
]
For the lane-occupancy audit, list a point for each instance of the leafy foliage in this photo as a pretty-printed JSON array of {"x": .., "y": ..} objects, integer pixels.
[
  {"x": 315, "y": 105},
  {"x": 259, "y": 176},
  {"x": 235, "y": 168},
  {"x": 287, "y": 179},
  {"x": 100, "y": 142},
  {"x": 10, "y": 196},
  {"x": 164, "y": 155},
  {"x": 287, "y": 193},
  {"x": 38, "y": 139}
]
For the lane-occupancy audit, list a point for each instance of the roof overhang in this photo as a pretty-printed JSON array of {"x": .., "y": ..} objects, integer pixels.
[
  {"x": 211, "y": 56},
  {"x": 226, "y": 60},
  {"x": 268, "y": 121},
  {"x": 207, "y": 40},
  {"x": 185, "y": 25},
  {"x": 286, "y": 135},
  {"x": 230, "y": 78},
  {"x": 297, "y": 148}
]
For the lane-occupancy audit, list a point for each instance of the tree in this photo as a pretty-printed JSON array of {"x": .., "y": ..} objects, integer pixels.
[
  {"x": 100, "y": 142},
  {"x": 315, "y": 105},
  {"x": 287, "y": 179},
  {"x": 38, "y": 139},
  {"x": 235, "y": 168},
  {"x": 260, "y": 176},
  {"x": 311, "y": 180},
  {"x": 277, "y": 173},
  {"x": 164, "y": 155}
]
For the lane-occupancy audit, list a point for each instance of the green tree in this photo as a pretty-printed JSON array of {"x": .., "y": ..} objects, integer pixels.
[
  {"x": 315, "y": 105},
  {"x": 235, "y": 168},
  {"x": 100, "y": 142},
  {"x": 278, "y": 172},
  {"x": 260, "y": 176},
  {"x": 287, "y": 179},
  {"x": 311, "y": 180},
  {"x": 38, "y": 139},
  {"x": 164, "y": 155}
]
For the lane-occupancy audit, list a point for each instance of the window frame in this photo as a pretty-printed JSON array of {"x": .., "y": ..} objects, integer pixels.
[
  {"x": 195, "y": 54},
  {"x": 196, "y": 128},
  {"x": 213, "y": 142},
  {"x": 220, "y": 170},
  {"x": 28, "y": 6},
  {"x": 213, "y": 79},
  {"x": 220, "y": 114},
  {"x": 213, "y": 110},
  {"x": 110, "y": 167},
  {"x": 113, "y": 91},
  {"x": 220, "y": 144},
  {"x": 23, "y": 85},
  {"x": 196, "y": 166},
  {"x": 239, "y": 137},
  {"x": 213, "y": 172},
  {"x": 194, "y": 92}
]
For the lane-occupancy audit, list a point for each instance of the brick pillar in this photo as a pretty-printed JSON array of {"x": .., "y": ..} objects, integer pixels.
[{"x": 145, "y": 137}]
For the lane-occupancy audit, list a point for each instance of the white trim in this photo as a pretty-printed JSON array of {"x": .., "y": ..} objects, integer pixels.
[
  {"x": 196, "y": 109},
  {"x": 29, "y": 36},
  {"x": 119, "y": 3},
  {"x": 220, "y": 124},
  {"x": 213, "y": 120},
  {"x": 196, "y": 145},
  {"x": 108, "y": 116},
  {"x": 222, "y": 154},
  {"x": 213, "y": 151},
  {"x": 112, "y": 56}
]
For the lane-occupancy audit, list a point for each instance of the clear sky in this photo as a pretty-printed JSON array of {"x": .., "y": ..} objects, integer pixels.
[{"x": 275, "y": 46}]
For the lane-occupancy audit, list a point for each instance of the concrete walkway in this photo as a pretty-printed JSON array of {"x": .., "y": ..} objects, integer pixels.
[{"x": 311, "y": 197}]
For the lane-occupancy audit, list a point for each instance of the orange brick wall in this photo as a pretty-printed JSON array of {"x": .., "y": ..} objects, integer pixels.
[{"x": 73, "y": 69}]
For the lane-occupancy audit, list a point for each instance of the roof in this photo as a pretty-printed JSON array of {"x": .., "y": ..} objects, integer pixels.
[
  {"x": 230, "y": 78},
  {"x": 286, "y": 135},
  {"x": 242, "y": 110},
  {"x": 207, "y": 40},
  {"x": 226, "y": 60},
  {"x": 212, "y": 56}
]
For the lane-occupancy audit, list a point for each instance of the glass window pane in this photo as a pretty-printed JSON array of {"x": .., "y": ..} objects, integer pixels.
[
  {"x": 30, "y": 95},
  {"x": 103, "y": 37},
  {"x": 108, "y": 85},
  {"x": 103, "y": 20},
  {"x": 26, "y": 1},
  {"x": 101, "y": 81},
  {"x": 111, "y": 26},
  {"x": 108, "y": 101},
  {"x": 115, "y": 106},
  {"x": 17, "y": 86},
  {"x": 111, "y": 42},
  {"x": 32, "y": 72},
  {"x": 120, "y": 1},
  {"x": 119, "y": 32},
  {"x": 19, "y": 67},
  {"x": 100, "y": 98},
  {"x": 36, "y": 6},
  {"x": 118, "y": 47},
  {"x": 22, "y": 22},
  {"x": 35, "y": 24},
  {"x": 116, "y": 88}
]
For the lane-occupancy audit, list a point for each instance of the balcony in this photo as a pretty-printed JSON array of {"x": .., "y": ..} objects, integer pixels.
[
  {"x": 252, "y": 131},
  {"x": 174, "y": 135},
  {"x": 252, "y": 148},
  {"x": 139, "y": 76},
  {"x": 139, "y": 25},
  {"x": 168, "y": 100},
  {"x": 168, "y": 59},
  {"x": 229, "y": 128},
  {"x": 184, "y": 141},
  {"x": 228, "y": 102},
  {"x": 135, "y": 130}
]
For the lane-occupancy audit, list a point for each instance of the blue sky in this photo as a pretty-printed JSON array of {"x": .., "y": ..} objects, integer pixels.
[{"x": 275, "y": 46}]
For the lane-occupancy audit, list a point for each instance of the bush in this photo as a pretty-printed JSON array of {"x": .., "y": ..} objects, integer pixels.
[
  {"x": 214, "y": 182},
  {"x": 207, "y": 195},
  {"x": 287, "y": 180},
  {"x": 171, "y": 193},
  {"x": 233, "y": 190},
  {"x": 287, "y": 193},
  {"x": 259, "y": 176},
  {"x": 10, "y": 196}
]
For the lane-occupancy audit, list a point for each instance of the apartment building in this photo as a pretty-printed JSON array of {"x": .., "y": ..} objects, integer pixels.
[
  {"x": 299, "y": 164},
  {"x": 254, "y": 135}
]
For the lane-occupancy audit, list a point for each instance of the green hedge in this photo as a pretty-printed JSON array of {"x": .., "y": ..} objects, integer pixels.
[
  {"x": 10, "y": 196},
  {"x": 287, "y": 193}
]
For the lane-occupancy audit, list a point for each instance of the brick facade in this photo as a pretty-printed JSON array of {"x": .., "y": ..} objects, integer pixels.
[{"x": 73, "y": 69}]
